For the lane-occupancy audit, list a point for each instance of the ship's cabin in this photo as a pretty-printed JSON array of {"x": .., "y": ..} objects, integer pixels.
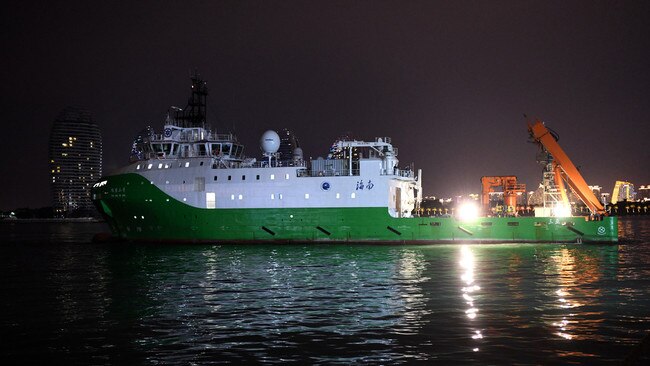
[
  {"x": 177, "y": 142},
  {"x": 346, "y": 157}
]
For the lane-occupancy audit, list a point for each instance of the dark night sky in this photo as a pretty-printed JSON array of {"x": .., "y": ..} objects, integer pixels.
[{"x": 448, "y": 81}]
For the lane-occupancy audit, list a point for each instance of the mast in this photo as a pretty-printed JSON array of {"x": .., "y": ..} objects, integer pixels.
[{"x": 194, "y": 114}]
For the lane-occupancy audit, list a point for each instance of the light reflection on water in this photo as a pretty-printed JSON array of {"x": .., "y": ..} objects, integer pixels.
[
  {"x": 179, "y": 304},
  {"x": 469, "y": 289}
]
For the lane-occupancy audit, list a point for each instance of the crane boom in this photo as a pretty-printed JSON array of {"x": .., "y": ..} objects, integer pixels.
[{"x": 567, "y": 170}]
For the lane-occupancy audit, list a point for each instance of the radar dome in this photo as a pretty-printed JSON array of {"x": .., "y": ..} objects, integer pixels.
[{"x": 270, "y": 142}]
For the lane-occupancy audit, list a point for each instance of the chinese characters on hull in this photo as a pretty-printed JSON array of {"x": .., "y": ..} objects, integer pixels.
[{"x": 362, "y": 186}]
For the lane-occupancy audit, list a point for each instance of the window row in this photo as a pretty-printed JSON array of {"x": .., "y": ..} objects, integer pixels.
[
  {"x": 161, "y": 165},
  {"x": 273, "y": 196},
  {"x": 257, "y": 177}
]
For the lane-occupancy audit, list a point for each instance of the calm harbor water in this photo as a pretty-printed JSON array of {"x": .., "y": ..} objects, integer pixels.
[{"x": 66, "y": 299}]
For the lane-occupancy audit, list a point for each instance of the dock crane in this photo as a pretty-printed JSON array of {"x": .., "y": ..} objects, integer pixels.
[{"x": 564, "y": 169}]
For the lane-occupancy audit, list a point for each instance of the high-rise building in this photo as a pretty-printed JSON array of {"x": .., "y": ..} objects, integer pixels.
[
  {"x": 75, "y": 162},
  {"x": 623, "y": 191},
  {"x": 288, "y": 145}
]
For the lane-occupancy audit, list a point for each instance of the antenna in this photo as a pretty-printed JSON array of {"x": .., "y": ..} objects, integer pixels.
[{"x": 194, "y": 115}]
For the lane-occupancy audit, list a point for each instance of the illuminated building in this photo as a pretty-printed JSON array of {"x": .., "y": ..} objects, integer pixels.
[
  {"x": 623, "y": 191},
  {"x": 75, "y": 152},
  {"x": 643, "y": 194},
  {"x": 288, "y": 145},
  {"x": 598, "y": 192}
]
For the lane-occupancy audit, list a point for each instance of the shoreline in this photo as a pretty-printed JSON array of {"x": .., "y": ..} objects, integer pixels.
[{"x": 56, "y": 220}]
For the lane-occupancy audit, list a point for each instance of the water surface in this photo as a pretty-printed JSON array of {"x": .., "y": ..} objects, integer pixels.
[{"x": 73, "y": 301}]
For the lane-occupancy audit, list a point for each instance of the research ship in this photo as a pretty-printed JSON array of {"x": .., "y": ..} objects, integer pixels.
[{"x": 191, "y": 184}]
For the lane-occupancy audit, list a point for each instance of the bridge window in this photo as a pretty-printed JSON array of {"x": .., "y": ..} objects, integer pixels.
[
  {"x": 201, "y": 149},
  {"x": 237, "y": 150}
]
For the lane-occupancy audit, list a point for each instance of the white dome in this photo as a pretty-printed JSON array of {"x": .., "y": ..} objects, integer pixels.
[{"x": 270, "y": 142}]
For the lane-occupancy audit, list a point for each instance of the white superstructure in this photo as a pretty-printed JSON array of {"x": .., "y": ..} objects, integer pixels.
[{"x": 207, "y": 170}]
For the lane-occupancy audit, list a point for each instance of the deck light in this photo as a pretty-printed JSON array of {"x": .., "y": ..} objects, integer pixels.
[
  {"x": 467, "y": 211},
  {"x": 561, "y": 210}
]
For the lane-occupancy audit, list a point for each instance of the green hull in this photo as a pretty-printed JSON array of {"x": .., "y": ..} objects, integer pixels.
[{"x": 138, "y": 210}]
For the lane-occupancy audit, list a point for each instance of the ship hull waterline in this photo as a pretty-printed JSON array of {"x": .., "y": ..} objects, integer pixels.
[{"x": 139, "y": 211}]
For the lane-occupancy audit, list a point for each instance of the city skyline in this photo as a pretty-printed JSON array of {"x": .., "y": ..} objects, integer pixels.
[{"x": 449, "y": 82}]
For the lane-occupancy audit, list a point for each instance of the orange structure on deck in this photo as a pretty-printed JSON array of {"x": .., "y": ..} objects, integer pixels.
[
  {"x": 564, "y": 169},
  {"x": 510, "y": 190}
]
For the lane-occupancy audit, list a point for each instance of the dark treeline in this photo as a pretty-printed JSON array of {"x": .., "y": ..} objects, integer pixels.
[{"x": 30, "y": 213}]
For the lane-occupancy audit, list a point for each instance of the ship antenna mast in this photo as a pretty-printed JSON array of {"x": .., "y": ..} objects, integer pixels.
[{"x": 194, "y": 115}]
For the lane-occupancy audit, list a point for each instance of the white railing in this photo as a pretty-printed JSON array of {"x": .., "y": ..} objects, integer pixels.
[{"x": 218, "y": 137}]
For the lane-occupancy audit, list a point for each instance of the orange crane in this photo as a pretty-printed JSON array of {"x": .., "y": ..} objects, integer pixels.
[
  {"x": 510, "y": 190},
  {"x": 564, "y": 169}
]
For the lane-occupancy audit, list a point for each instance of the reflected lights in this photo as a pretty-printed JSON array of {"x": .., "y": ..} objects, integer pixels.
[{"x": 467, "y": 263}]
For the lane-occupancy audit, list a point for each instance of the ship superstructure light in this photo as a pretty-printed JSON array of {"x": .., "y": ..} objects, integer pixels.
[
  {"x": 468, "y": 211},
  {"x": 561, "y": 210}
]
